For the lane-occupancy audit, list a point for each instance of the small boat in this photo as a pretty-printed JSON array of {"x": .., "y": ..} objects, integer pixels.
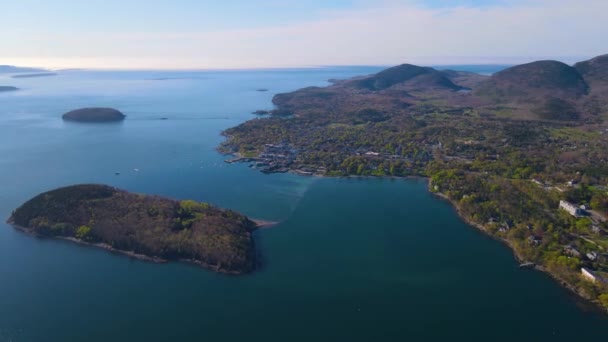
[{"x": 527, "y": 265}]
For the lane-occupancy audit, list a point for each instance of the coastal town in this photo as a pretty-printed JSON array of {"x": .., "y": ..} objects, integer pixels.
[{"x": 530, "y": 172}]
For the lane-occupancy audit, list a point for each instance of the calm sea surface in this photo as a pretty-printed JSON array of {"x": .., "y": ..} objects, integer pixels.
[{"x": 351, "y": 260}]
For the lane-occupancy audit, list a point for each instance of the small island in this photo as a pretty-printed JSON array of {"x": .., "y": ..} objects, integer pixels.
[
  {"x": 94, "y": 115},
  {"x": 8, "y": 88},
  {"x": 146, "y": 227}
]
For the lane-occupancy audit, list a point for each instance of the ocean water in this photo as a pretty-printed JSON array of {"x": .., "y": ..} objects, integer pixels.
[{"x": 351, "y": 260}]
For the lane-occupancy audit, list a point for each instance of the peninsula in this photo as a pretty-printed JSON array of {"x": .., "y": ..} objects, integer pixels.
[
  {"x": 40, "y": 74},
  {"x": 521, "y": 154},
  {"x": 146, "y": 227},
  {"x": 11, "y": 69},
  {"x": 94, "y": 115}
]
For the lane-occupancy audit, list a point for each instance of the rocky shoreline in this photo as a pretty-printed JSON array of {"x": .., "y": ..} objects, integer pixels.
[
  {"x": 101, "y": 245},
  {"x": 519, "y": 258},
  {"x": 261, "y": 224}
]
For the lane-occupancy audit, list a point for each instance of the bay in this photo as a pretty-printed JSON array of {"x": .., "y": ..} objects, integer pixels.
[{"x": 352, "y": 259}]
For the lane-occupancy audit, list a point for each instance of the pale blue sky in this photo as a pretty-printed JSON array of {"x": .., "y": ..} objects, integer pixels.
[{"x": 273, "y": 33}]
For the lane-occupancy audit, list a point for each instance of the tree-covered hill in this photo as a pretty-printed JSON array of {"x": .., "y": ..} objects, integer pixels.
[{"x": 149, "y": 225}]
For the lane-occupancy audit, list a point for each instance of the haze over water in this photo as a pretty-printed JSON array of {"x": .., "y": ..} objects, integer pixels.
[{"x": 352, "y": 259}]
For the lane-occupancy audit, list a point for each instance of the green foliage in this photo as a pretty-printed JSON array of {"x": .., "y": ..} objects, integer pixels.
[
  {"x": 191, "y": 206},
  {"x": 583, "y": 225},
  {"x": 572, "y": 264},
  {"x": 83, "y": 232},
  {"x": 603, "y": 298},
  {"x": 599, "y": 201}
]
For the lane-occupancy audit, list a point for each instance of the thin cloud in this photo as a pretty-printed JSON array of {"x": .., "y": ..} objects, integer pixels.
[{"x": 390, "y": 34}]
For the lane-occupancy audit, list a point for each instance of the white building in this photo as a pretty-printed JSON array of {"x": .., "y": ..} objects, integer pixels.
[
  {"x": 592, "y": 277},
  {"x": 592, "y": 256},
  {"x": 571, "y": 208}
]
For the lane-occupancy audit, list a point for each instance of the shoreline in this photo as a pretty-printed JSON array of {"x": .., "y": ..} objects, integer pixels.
[
  {"x": 130, "y": 254},
  {"x": 480, "y": 227},
  {"x": 573, "y": 290}
]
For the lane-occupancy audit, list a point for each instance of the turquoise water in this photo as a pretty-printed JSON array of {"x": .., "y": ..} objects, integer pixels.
[{"x": 352, "y": 259}]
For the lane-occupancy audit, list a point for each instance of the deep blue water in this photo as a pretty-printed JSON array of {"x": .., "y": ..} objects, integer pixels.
[{"x": 353, "y": 259}]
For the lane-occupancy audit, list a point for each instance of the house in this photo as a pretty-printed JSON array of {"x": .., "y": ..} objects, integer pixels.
[
  {"x": 595, "y": 228},
  {"x": 592, "y": 256},
  {"x": 589, "y": 275},
  {"x": 571, "y": 208}
]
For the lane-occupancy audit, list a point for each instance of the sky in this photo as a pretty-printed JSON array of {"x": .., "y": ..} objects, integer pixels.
[{"x": 227, "y": 34}]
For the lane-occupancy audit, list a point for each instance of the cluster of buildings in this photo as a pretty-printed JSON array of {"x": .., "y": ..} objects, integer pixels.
[{"x": 276, "y": 158}]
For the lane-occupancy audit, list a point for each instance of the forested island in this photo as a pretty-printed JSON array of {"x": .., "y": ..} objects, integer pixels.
[
  {"x": 142, "y": 226},
  {"x": 95, "y": 114},
  {"x": 521, "y": 154},
  {"x": 8, "y": 88}
]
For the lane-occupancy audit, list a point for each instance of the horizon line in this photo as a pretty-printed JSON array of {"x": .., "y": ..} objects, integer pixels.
[{"x": 417, "y": 60}]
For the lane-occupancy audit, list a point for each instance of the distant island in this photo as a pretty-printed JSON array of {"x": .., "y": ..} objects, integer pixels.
[
  {"x": 11, "y": 69},
  {"x": 42, "y": 74},
  {"x": 146, "y": 227},
  {"x": 95, "y": 114},
  {"x": 8, "y": 88},
  {"x": 521, "y": 154}
]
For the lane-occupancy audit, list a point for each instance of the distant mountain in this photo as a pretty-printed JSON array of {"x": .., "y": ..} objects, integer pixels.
[
  {"x": 535, "y": 79},
  {"x": 10, "y": 69},
  {"x": 595, "y": 70},
  {"x": 548, "y": 90},
  {"x": 595, "y": 73},
  {"x": 542, "y": 90},
  {"x": 408, "y": 75}
]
